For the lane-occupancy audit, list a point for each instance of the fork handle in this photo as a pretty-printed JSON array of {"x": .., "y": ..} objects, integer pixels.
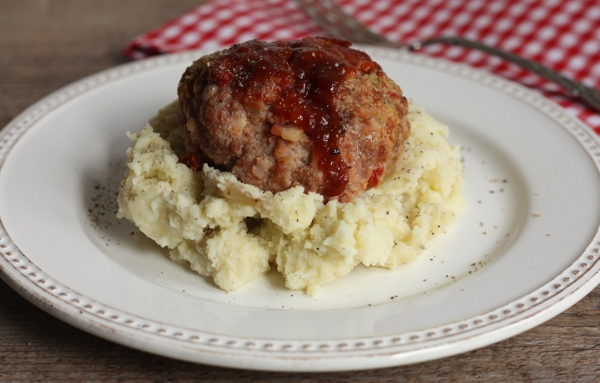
[{"x": 586, "y": 94}]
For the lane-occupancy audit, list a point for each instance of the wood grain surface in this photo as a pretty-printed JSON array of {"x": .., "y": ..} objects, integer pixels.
[{"x": 47, "y": 44}]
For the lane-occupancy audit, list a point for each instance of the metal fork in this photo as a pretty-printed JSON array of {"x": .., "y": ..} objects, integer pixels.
[{"x": 334, "y": 20}]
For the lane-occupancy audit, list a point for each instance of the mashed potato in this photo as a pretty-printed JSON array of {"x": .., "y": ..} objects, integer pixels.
[{"x": 234, "y": 232}]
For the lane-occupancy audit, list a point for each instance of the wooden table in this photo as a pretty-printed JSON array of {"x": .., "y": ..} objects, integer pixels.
[{"x": 46, "y": 44}]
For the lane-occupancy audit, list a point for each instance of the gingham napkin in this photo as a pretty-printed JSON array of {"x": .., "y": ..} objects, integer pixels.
[{"x": 564, "y": 35}]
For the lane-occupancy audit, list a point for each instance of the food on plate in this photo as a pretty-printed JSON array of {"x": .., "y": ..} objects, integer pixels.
[
  {"x": 312, "y": 113},
  {"x": 233, "y": 180}
]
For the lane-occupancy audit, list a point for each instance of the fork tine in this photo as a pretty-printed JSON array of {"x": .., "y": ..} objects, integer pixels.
[
  {"x": 315, "y": 12},
  {"x": 327, "y": 18},
  {"x": 359, "y": 32},
  {"x": 334, "y": 20}
]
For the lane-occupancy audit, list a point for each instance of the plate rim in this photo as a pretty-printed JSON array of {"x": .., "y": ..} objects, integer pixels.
[{"x": 567, "y": 288}]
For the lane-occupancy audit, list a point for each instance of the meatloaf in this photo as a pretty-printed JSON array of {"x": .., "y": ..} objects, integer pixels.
[{"x": 313, "y": 112}]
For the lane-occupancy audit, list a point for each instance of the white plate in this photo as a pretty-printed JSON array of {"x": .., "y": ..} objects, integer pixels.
[{"x": 524, "y": 250}]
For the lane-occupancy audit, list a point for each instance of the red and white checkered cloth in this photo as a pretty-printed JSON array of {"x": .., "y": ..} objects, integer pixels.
[{"x": 564, "y": 35}]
